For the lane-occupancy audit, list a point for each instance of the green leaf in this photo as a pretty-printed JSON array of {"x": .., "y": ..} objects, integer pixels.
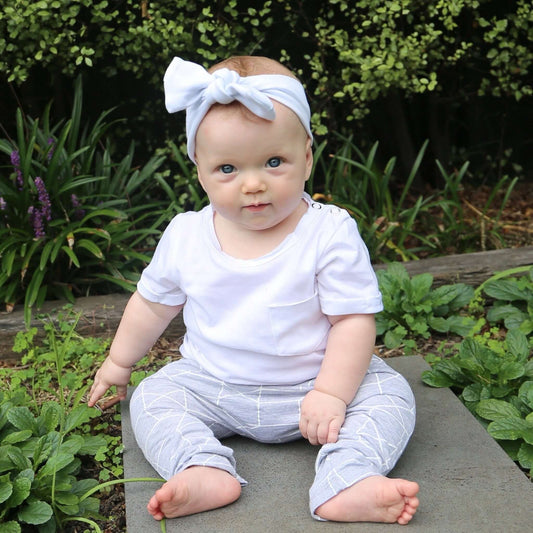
[
  {"x": 67, "y": 498},
  {"x": 17, "y": 436},
  {"x": 71, "y": 445},
  {"x": 510, "y": 370},
  {"x": 461, "y": 325},
  {"x": 525, "y": 456},
  {"x": 517, "y": 344},
  {"x": 499, "y": 313},
  {"x": 22, "y": 418},
  {"x": 444, "y": 295},
  {"x": 439, "y": 324},
  {"x": 91, "y": 247},
  {"x": 81, "y": 486},
  {"x": 36, "y": 512},
  {"x": 72, "y": 256},
  {"x": 56, "y": 463},
  {"x": 451, "y": 368},
  {"x": 511, "y": 429},
  {"x": 32, "y": 292},
  {"x": 91, "y": 444},
  {"x": 77, "y": 417},
  {"x": 475, "y": 393},
  {"x": 21, "y": 491},
  {"x": 493, "y": 409},
  {"x": 18, "y": 458},
  {"x": 45, "y": 446},
  {"x": 10, "y": 527},
  {"x": 525, "y": 393},
  {"x": 434, "y": 378},
  {"x": 50, "y": 415},
  {"x": 504, "y": 289},
  {"x": 421, "y": 286},
  {"x": 6, "y": 488}
]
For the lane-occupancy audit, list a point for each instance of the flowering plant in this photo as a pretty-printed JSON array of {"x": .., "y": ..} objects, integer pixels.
[{"x": 70, "y": 218}]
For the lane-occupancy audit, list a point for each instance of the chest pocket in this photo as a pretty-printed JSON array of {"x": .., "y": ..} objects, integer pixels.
[{"x": 299, "y": 328}]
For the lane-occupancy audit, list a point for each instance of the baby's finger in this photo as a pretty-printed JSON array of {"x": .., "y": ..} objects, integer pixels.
[
  {"x": 334, "y": 430},
  {"x": 304, "y": 423},
  {"x": 312, "y": 434},
  {"x": 323, "y": 432},
  {"x": 97, "y": 391}
]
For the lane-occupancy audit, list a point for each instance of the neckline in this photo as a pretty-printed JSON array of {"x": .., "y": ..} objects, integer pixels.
[{"x": 286, "y": 243}]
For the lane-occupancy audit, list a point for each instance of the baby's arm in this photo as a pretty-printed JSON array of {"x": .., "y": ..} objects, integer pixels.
[
  {"x": 141, "y": 325},
  {"x": 349, "y": 350}
]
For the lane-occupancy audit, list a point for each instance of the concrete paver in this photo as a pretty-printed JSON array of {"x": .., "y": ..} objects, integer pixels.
[{"x": 467, "y": 482}]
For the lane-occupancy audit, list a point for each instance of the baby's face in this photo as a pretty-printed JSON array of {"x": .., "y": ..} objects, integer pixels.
[{"x": 253, "y": 170}]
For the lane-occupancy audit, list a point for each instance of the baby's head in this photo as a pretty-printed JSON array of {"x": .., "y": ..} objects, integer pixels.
[{"x": 247, "y": 84}]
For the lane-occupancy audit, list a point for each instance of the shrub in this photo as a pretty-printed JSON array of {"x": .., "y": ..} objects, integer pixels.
[
  {"x": 412, "y": 309},
  {"x": 70, "y": 217},
  {"x": 349, "y": 54}
]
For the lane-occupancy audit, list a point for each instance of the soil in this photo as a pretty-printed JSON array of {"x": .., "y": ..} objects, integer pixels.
[{"x": 514, "y": 222}]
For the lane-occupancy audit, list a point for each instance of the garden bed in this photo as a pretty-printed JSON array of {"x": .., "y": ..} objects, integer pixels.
[{"x": 100, "y": 315}]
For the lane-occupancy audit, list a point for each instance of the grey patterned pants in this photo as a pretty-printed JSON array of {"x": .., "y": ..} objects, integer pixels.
[{"x": 180, "y": 413}]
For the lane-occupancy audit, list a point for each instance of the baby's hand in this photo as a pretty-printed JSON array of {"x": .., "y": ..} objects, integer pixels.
[
  {"x": 321, "y": 417},
  {"x": 108, "y": 375}
]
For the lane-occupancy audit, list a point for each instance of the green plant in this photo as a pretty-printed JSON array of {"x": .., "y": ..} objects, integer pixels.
[
  {"x": 356, "y": 59},
  {"x": 494, "y": 379},
  {"x": 355, "y": 181},
  {"x": 40, "y": 448},
  {"x": 373, "y": 46},
  {"x": 39, "y": 462},
  {"x": 70, "y": 217},
  {"x": 186, "y": 193},
  {"x": 476, "y": 230},
  {"x": 43, "y": 417},
  {"x": 512, "y": 299},
  {"x": 412, "y": 309}
]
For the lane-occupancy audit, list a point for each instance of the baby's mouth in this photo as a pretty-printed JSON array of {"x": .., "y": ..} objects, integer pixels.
[{"x": 256, "y": 207}]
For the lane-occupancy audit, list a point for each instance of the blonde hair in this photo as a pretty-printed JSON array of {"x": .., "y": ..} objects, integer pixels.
[{"x": 252, "y": 66}]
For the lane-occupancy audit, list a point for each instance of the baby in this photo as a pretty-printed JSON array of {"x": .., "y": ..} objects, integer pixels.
[{"x": 278, "y": 298}]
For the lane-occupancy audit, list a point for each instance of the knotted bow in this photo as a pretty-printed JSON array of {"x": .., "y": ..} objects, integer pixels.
[{"x": 189, "y": 86}]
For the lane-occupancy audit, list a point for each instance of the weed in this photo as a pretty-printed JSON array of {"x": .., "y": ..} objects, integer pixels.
[{"x": 412, "y": 309}]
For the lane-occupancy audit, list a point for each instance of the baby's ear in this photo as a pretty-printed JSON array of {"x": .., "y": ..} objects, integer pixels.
[
  {"x": 199, "y": 176},
  {"x": 308, "y": 158}
]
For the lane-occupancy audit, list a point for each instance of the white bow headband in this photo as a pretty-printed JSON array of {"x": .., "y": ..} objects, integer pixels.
[{"x": 189, "y": 86}]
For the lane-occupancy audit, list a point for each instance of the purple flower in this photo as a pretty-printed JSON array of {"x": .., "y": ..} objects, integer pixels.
[
  {"x": 44, "y": 198},
  {"x": 36, "y": 219},
  {"x": 51, "y": 144},
  {"x": 15, "y": 161},
  {"x": 3, "y": 204},
  {"x": 15, "y": 158}
]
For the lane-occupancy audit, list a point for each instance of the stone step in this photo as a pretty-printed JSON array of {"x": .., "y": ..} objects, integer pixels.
[{"x": 467, "y": 482}]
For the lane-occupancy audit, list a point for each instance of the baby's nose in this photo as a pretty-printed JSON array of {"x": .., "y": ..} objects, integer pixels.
[{"x": 252, "y": 183}]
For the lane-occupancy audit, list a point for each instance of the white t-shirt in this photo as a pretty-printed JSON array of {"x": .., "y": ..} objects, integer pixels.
[{"x": 262, "y": 321}]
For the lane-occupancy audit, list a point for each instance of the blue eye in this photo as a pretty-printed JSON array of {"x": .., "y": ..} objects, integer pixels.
[
  {"x": 274, "y": 162},
  {"x": 227, "y": 169}
]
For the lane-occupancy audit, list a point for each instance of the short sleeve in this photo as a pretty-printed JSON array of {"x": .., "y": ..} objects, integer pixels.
[
  {"x": 346, "y": 280},
  {"x": 160, "y": 280}
]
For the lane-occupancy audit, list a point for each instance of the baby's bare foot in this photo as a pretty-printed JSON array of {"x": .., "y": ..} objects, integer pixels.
[
  {"x": 196, "y": 489},
  {"x": 374, "y": 499}
]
